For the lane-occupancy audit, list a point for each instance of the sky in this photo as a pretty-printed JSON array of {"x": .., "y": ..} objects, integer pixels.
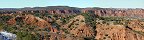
[{"x": 73, "y": 3}]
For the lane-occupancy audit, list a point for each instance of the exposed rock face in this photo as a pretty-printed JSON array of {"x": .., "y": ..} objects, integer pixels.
[
  {"x": 11, "y": 21},
  {"x": 131, "y": 35},
  {"x": 79, "y": 28},
  {"x": 32, "y": 20},
  {"x": 136, "y": 25},
  {"x": 83, "y": 31},
  {"x": 68, "y": 10},
  {"x": 108, "y": 32},
  {"x": 115, "y": 12},
  {"x": 133, "y": 30},
  {"x": 116, "y": 32}
]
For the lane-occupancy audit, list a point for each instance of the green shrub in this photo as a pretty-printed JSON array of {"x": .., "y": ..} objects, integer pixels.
[
  {"x": 1, "y": 26},
  {"x": 90, "y": 19},
  {"x": 5, "y": 18}
]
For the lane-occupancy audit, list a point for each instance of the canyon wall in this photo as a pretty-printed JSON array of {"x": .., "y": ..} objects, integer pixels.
[{"x": 129, "y": 12}]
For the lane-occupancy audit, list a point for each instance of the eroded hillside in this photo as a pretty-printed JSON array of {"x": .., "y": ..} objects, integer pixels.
[{"x": 83, "y": 26}]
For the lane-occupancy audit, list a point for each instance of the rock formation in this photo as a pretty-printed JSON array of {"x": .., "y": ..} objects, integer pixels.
[
  {"x": 129, "y": 12},
  {"x": 32, "y": 20},
  {"x": 79, "y": 28},
  {"x": 11, "y": 21},
  {"x": 110, "y": 32},
  {"x": 118, "y": 32}
]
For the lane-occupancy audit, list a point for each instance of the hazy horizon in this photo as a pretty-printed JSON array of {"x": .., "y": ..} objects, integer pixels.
[
  {"x": 72, "y": 6},
  {"x": 73, "y": 3}
]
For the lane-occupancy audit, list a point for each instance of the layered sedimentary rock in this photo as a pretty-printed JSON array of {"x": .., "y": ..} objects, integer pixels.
[
  {"x": 133, "y": 30},
  {"x": 110, "y": 32},
  {"x": 136, "y": 25},
  {"x": 79, "y": 28},
  {"x": 11, "y": 21},
  {"x": 115, "y": 12},
  {"x": 31, "y": 20},
  {"x": 68, "y": 10}
]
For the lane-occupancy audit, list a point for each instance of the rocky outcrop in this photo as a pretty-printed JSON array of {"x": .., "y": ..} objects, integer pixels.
[
  {"x": 129, "y": 12},
  {"x": 11, "y": 21},
  {"x": 31, "y": 20},
  {"x": 115, "y": 12},
  {"x": 136, "y": 25},
  {"x": 110, "y": 32},
  {"x": 133, "y": 35},
  {"x": 79, "y": 28},
  {"x": 83, "y": 31},
  {"x": 117, "y": 32}
]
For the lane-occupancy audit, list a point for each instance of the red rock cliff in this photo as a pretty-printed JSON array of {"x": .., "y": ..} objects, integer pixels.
[{"x": 69, "y": 10}]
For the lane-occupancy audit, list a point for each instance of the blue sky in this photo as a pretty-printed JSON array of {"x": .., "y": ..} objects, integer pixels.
[{"x": 73, "y": 3}]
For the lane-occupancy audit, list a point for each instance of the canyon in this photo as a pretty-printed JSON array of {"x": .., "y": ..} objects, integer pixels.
[
  {"x": 128, "y": 12},
  {"x": 53, "y": 23}
]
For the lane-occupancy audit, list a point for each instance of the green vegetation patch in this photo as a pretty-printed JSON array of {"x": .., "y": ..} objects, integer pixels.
[{"x": 139, "y": 32}]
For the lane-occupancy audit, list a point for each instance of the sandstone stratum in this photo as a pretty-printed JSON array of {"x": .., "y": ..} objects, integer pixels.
[
  {"x": 128, "y": 12},
  {"x": 70, "y": 23}
]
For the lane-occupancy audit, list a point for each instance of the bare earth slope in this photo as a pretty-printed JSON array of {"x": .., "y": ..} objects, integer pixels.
[{"x": 134, "y": 30}]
